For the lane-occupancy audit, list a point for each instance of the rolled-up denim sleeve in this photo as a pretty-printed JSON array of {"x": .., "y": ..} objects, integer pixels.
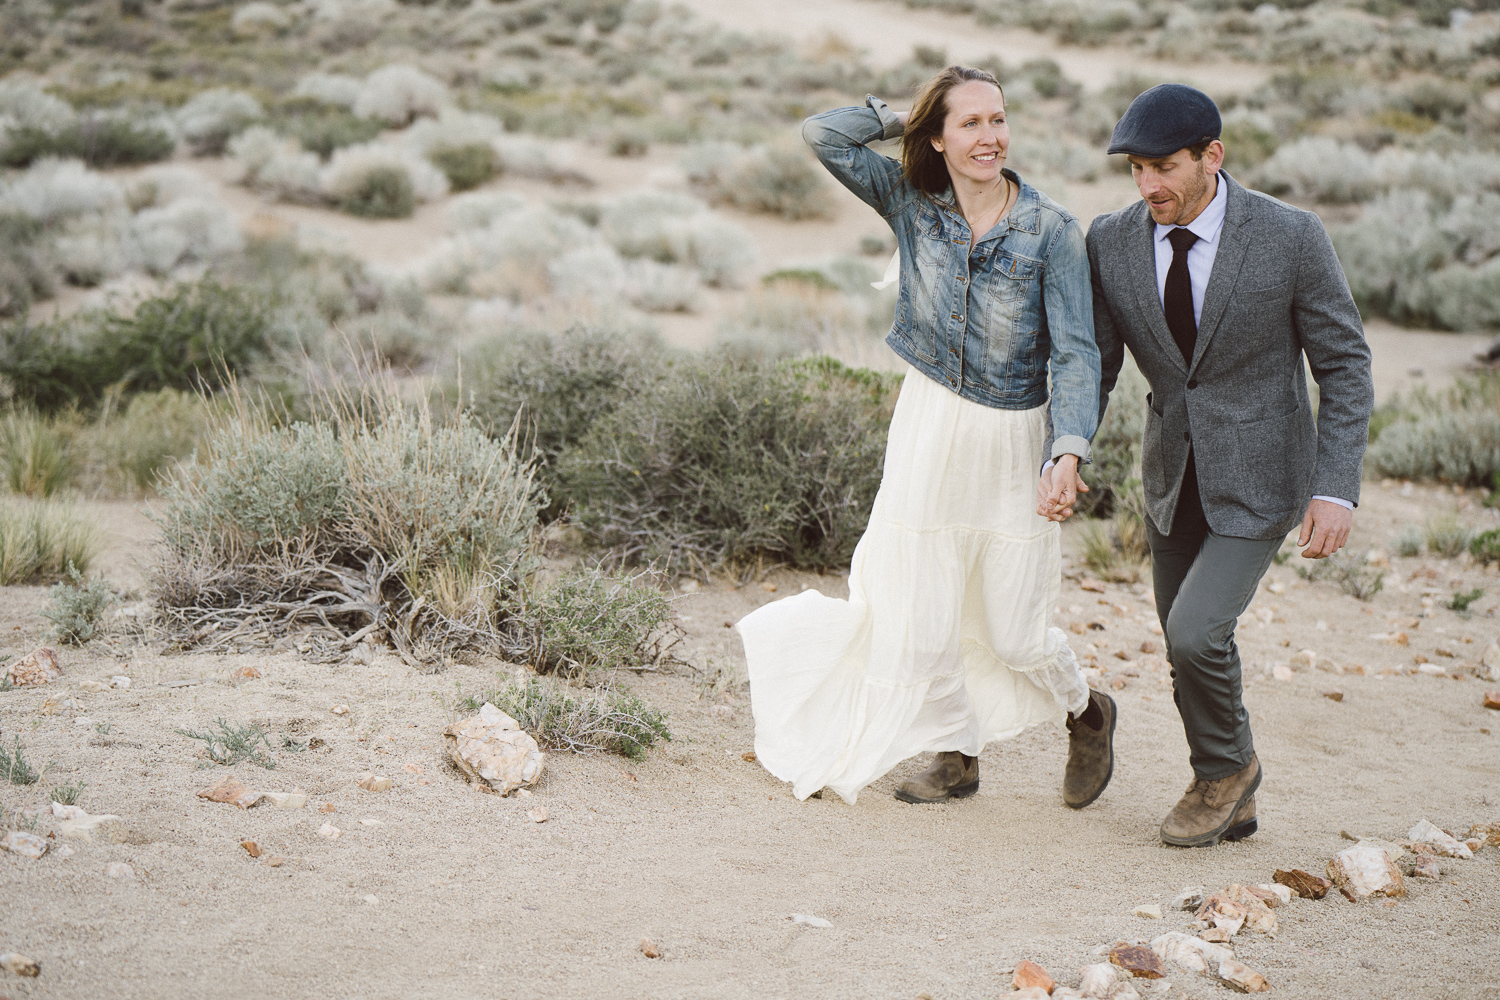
[
  {"x": 1067, "y": 296},
  {"x": 839, "y": 138}
]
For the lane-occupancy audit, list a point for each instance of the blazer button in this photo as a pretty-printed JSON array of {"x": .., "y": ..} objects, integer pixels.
[{"x": 1192, "y": 383}]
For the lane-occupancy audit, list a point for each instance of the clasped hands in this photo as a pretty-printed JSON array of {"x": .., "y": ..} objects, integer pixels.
[{"x": 1325, "y": 526}]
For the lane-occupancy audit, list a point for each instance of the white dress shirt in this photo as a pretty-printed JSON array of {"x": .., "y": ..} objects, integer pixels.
[{"x": 1200, "y": 261}]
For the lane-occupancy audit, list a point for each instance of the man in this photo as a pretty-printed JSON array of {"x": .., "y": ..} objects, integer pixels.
[{"x": 1219, "y": 292}]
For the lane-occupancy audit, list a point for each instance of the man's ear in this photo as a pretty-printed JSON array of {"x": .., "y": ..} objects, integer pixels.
[{"x": 1214, "y": 156}]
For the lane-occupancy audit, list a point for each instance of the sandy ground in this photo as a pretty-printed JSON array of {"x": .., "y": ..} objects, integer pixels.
[{"x": 435, "y": 890}]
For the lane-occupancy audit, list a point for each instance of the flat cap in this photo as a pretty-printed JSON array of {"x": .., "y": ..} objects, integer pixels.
[{"x": 1166, "y": 118}]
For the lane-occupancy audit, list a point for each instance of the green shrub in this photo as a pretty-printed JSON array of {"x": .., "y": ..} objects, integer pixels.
[
  {"x": 230, "y": 743},
  {"x": 604, "y": 721},
  {"x": 100, "y": 142},
  {"x": 35, "y": 454},
  {"x": 154, "y": 430},
  {"x": 784, "y": 182},
  {"x": 15, "y": 768},
  {"x": 1461, "y": 600},
  {"x": 382, "y": 193},
  {"x": 68, "y": 794},
  {"x": 323, "y": 130},
  {"x": 194, "y": 337},
  {"x": 1353, "y": 574},
  {"x": 466, "y": 166},
  {"x": 39, "y": 540},
  {"x": 1453, "y": 436},
  {"x": 558, "y": 387},
  {"x": 77, "y": 606},
  {"x": 1485, "y": 547},
  {"x": 587, "y": 621},
  {"x": 24, "y": 275},
  {"x": 1409, "y": 543},
  {"x": 1447, "y": 536},
  {"x": 725, "y": 460}
]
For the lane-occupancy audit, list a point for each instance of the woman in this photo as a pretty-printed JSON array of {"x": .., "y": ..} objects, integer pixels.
[{"x": 944, "y": 643}]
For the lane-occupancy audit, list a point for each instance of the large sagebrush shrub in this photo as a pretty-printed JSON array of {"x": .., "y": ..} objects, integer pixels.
[
  {"x": 398, "y": 93},
  {"x": 782, "y": 181},
  {"x": 380, "y": 180},
  {"x": 1453, "y": 436},
  {"x": 98, "y": 140},
  {"x": 724, "y": 459},
  {"x": 213, "y": 117}
]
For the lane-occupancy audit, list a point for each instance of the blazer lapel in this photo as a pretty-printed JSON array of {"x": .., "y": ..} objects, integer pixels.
[
  {"x": 1234, "y": 240},
  {"x": 1141, "y": 252}
]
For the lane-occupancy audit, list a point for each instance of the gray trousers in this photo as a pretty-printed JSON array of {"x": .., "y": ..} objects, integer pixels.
[{"x": 1203, "y": 583}]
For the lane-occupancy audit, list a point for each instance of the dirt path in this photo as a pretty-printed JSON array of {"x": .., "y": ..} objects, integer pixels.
[
  {"x": 887, "y": 30},
  {"x": 434, "y": 890}
]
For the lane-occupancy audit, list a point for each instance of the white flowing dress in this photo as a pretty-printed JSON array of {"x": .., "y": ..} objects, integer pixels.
[{"x": 944, "y": 642}]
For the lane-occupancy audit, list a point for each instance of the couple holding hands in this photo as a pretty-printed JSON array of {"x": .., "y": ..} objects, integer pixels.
[{"x": 945, "y": 643}]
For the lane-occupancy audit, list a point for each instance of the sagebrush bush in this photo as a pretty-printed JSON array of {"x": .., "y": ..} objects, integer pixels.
[
  {"x": 603, "y": 721},
  {"x": 674, "y": 228},
  {"x": 724, "y": 460},
  {"x": 777, "y": 181},
  {"x": 398, "y": 93},
  {"x": 54, "y": 190},
  {"x": 1447, "y": 536},
  {"x": 195, "y": 336},
  {"x": 76, "y": 607},
  {"x": 23, "y": 104},
  {"x": 98, "y": 140},
  {"x": 133, "y": 444},
  {"x": 40, "y": 539},
  {"x": 1453, "y": 436},
  {"x": 380, "y": 180},
  {"x": 213, "y": 117},
  {"x": 587, "y": 621},
  {"x": 1485, "y": 547},
  {"x": 374, "y": 513},
  {"x": 466, "y": 166},
  {"x": 24, "y": 272},
  {"x": 1351, "y": 573},
  {"x": 334, "y": 89},
  {"x": 508, "y": 257}
]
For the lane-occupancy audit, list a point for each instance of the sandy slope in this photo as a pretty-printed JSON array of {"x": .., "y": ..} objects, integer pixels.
[{"x": 708, "y": 855}]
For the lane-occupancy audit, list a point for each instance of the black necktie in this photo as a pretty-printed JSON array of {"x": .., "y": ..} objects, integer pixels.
[{"x": 1177, "y": 299}]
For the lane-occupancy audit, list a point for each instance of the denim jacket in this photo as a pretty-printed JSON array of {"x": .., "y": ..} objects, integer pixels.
[{"x": 984, "y": 321}]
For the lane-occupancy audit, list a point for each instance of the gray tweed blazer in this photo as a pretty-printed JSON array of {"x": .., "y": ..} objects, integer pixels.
[{"x": 1276, "y": 293}]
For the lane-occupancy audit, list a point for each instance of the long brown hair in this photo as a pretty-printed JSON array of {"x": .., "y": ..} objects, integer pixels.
[{"x": 924, "y": 166}]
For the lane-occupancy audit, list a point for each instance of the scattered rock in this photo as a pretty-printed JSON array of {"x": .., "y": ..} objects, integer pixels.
[
  {"x": 330, "y": 831},
  {"x": 1028, "y": 975},
  {"x": 1147, "y": 646},
  {"x": 295, "y": 799},
  {"x": 1190, "y": 898},
  {"x": 1365, "y": 870},
  {"x": 328, "y": 807},
  {"x": 63, "y": 850},
  {"x": 92, "y": 686},
  {"x": 768, "y": 587},
  {"x": 1068, "y": 993},
  {"x": 1473, "y": 844},
  {"x": 231, "y": 790},
  {"x": 19, "y": 965},
  {"x": 367, "y": 821},
  {"x": 537, "y": 815},
  {"x": 1426, "y": 866},
  {"x": 493, "y": 752},
  {"x": 749, "y": 755},
  {"x": 1138, "y": 960},
  {"x": 414, "y": 769},
  {"x": 1149, "y": 910},
  {"x": 120, "y": 682},
  {"x": 119, "y": 869},
  {"x": 1334, "y": 695},
  {"x": 1188, "y": 952},
  {"x": 1305, "y": 658},
  {"x": 1441, "y": 843},
  {"x": 251, "y": 848},
  {"x": 1304, "y": 884},
  {"x": 1095, "y": 981},
  {"x": 245, "y": 673},
  {"x": 1077, "y": 628},
  {"x": 1282, "y": 672},
  {"x": 809, "y": 920},
  {"x": 372, "y": 782},
  {"x": 1217, "y": 935},
  {"x": 1258, "y": 916},
  {"x": 1489, "y": 832},
  {"x": 1241, "y": 977},
  {"x": 1274, "y": 895},
  {"x": 649, "y": 949},
  {"x": 72, "y": 821},
  {"x": 1492, "y": 700},
  {"x": 370, "y": 898},
  {"x": 27, "y": 845},
  {"x": 1219, "y": 910},
  {"x": 340, "y": 710},
  {"x": 1094, "y": 586},
  {"x": 1029, "y": 993},
  {"x": 1489, "y": 662},
  {"x": 40, "y": 666},
  {"x": 275, "y": 861}
]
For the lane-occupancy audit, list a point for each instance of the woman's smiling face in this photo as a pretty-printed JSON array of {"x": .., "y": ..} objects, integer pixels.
[{"x": 975, "y": 137}]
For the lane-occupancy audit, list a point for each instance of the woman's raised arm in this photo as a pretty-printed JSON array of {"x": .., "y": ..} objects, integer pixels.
[{"x": 839, "y": 138}]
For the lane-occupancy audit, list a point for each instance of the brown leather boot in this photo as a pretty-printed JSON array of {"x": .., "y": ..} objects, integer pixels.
[
  {"x": 1091, "y": 752},
  {"x": 952, "y": 776},
  {"x": 1211, "y": 811}
]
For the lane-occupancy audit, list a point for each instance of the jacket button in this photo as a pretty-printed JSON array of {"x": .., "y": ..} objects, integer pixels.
[{"x": 1192, "y": 383}]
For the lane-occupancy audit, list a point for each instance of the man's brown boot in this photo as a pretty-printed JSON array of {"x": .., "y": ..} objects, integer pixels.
[
  {"x": 952, "y": 776},
  {"x": 1211, "y": 811},
  {"x": 1091, "y": 751}
]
